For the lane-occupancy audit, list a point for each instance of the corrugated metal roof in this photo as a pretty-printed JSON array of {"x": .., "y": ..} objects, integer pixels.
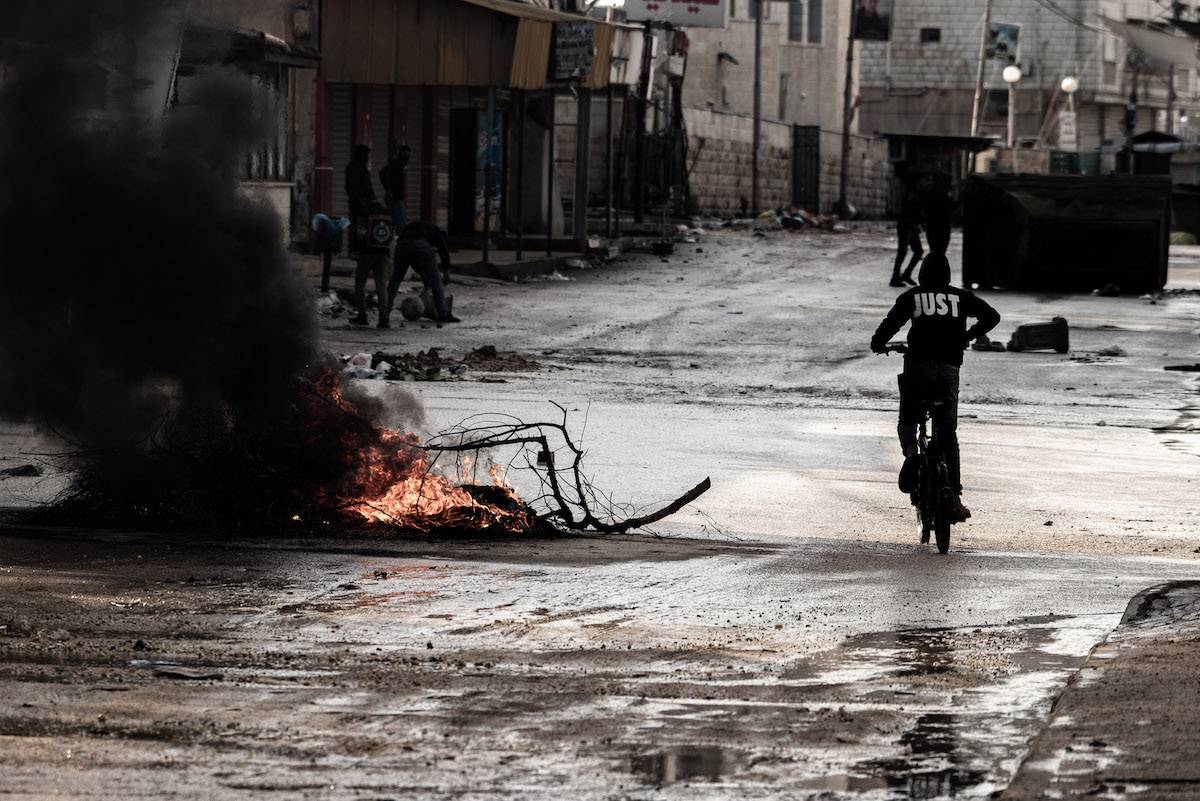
[{"x": 524, "y": 11}]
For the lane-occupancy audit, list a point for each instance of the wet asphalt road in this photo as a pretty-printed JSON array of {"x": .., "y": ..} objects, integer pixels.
[{"x": 798, "y": 644}]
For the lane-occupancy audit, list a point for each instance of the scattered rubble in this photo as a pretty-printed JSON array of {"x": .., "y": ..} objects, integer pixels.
[
  {"x": 986, "y": 343},
  {"x": 431, "y": 365}
]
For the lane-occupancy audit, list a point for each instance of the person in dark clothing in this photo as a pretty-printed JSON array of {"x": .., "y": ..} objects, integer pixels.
[
  {"x": 938, "y": 209},
  {"x": 908, "y": 236},
  {"x": 420, "y": 246},
  {"x": 393, "y": 177},
  {"x": 374, "y": 240},
  {"x": 936, "y": 341},
  {"x": 359, "y": 190}
]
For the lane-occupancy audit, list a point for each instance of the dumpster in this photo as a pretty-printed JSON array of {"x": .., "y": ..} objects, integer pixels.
[{"x": 1066, "y": 232}]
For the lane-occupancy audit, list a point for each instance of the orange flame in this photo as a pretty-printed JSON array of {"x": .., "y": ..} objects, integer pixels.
[{"x": 401, "y": 487}]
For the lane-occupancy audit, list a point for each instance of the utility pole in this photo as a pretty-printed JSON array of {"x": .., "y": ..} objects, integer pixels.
[
  {"x": 1176, "y": 13},
  {"x": 639, "y": 141},
  {"x": 983, "y": 41},
  {"x": 758, "y": 32},
  {"x": 1131, "y": 110},
  {"x": 847, "y": 115}
]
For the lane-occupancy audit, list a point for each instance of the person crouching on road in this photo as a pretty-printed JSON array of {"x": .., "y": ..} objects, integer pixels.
[
  {"x": 420, "y": 246},
  {"x": 936, "y": 341},
  {"x": 375, "y": 236}
]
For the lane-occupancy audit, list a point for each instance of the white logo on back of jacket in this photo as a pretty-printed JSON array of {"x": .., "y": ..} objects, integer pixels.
[{"x": 935, "y": 304}]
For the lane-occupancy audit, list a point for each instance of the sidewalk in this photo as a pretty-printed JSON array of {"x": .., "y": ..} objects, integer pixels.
[
  {"x": 502, "y": 265},
  {"x": 1126, "y": 724}
]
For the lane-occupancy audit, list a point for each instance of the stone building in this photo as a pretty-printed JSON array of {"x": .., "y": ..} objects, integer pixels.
[
  {"x": 803, "y": 68},
  {"x": 922, "y": 81},
  {"x": 277, "y": 42}
]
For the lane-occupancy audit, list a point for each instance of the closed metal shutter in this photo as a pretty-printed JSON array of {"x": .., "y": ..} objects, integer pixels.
[
  {"x": 381, "y": 133},
  {"x": 416, "y": 128},
  {"x": 1087, "y": 126},
  {"x": 341, "y": 106}
]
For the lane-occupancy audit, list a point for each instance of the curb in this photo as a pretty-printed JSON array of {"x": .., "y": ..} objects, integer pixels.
[{"x": 1125, "y": 722}]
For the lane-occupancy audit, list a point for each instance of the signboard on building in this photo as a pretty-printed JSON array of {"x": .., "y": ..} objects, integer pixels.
[
  {"x": 1068, "y": 139},
  {"x": 873, "y": 20},
  {"x": 572, "y": 49},
  {"x": 686, "y": 13},
  {"x": 1004, "y": 42}
]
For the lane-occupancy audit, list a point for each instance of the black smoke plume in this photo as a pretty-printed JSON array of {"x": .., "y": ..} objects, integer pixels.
[{"x": 148, "y": 315}]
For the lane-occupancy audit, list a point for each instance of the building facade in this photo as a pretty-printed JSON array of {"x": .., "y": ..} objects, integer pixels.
[
  {"x": 803, "y": 72},
  {"x": 922, "y": 81}
]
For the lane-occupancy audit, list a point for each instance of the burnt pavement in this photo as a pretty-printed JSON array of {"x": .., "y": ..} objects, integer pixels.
[{"x": 785, "y": 638}]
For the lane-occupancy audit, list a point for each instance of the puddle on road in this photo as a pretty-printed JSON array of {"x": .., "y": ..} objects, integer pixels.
[
  {"x": 971, "y": 699},
  {"x": 933, "y": 765},
  {"x": 695, "y": 763}
]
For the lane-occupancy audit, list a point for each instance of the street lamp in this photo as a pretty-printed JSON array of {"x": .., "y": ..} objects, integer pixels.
[
  {"x": 1069, "y": 86},
  {"x": 1011, "y": 74}
]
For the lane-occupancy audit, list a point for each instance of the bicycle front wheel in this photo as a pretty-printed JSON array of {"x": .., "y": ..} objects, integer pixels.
[{"x": 941, "y": 523}]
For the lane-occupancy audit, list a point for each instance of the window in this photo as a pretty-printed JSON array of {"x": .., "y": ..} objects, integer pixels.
[
  {"x": 732, "y": 9},
  {"x": 1110, "y": 48},
  {"x": 814, "y": 21},
  {"x": 795, "y": 22},
  {"x": 784, "y": 81},
  {"x": 995, "y": 106},
  {"x": 804, "y": 21},
  {"x": 931, "y": 35}
]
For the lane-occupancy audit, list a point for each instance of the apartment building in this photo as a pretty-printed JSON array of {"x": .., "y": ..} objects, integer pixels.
[
  {"x": 922, "y": 81},
  {"x": 803, "y": 69}
]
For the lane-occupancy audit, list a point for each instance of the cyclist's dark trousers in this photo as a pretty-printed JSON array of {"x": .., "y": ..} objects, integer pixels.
[
  {"x": 908, "y": 237},
  {"x": 922, "y": 380}
]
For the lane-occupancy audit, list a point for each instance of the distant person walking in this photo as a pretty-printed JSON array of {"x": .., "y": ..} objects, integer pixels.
[
  {"x": 908, "y": 235},
  {"x": 359, "y": 190},
  {"x": 393, "y": 177},
  {"x": 938, "y": 209}
]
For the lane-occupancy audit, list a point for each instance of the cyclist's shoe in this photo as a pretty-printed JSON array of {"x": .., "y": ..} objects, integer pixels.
[
  {"x": 958, "y": 512},
  {"x": 908, "y": 474}
]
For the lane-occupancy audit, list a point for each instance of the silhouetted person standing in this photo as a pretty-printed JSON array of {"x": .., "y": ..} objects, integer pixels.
[
  {"x": 908, "y": 236},
  {"x": 359, "y": 190},
  {"x": 938, "y": 209},
  {"x": 393, "y": 177}
]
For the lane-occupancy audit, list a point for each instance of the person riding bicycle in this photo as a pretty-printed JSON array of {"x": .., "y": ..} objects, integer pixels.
[{"x": 936, "y": 341}]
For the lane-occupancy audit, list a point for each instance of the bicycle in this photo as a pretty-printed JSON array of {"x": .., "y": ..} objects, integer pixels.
[{"x": 933, "y": 497}]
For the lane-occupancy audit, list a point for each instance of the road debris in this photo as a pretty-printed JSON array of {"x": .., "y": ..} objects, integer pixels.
[
  {"x": 1054, "y": 335},
  {"x": 21, "y": 471}
]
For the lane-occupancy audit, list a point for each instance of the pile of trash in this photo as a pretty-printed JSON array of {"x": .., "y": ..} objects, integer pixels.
[
  {"x": 431, "y": 365},
  {"x": 790, "y": 219}
]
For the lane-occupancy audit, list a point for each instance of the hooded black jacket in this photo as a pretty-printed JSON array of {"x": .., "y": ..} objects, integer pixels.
[{"x": 939, "y": 313}]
